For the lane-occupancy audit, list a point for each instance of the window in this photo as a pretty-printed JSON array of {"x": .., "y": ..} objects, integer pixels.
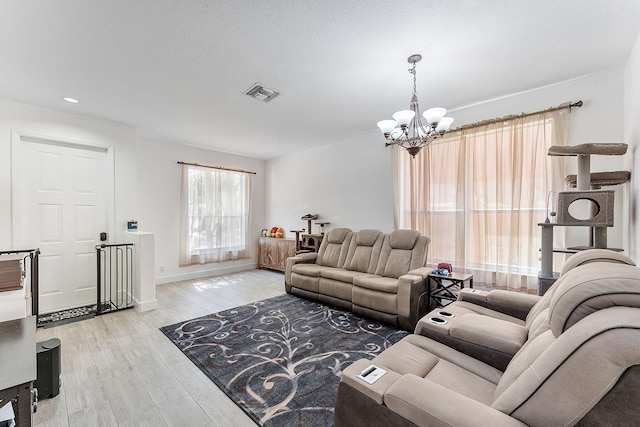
[
  {"x": 480, "y": 194},
  {"x": 214, "y": 215}
]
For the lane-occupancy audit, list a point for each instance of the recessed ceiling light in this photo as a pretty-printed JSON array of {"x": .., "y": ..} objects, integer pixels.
[{"x": 71, "y": 100}]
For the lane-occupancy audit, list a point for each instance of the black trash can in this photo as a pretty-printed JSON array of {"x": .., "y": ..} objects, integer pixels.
[{"x": 48, "y": 358}]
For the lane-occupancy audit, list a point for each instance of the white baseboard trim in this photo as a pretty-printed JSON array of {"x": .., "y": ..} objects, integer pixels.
[
  {"x": 207, "y": 273},
  {"x": 141, "y": 306}
]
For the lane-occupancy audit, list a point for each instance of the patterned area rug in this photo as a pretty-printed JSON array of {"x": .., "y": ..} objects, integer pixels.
[{"x": 280, "y": 359}]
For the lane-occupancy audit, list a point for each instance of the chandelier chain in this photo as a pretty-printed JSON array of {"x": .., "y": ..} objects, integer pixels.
[{"x": 413, "y": 71}]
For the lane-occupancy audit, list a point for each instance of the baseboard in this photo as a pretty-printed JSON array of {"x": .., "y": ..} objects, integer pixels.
[
  {"x": 235, "y": 268},
  {"x": 141, "y": 306}
]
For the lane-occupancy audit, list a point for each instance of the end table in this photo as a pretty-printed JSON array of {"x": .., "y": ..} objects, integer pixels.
[{"x": 442, "y": 293}]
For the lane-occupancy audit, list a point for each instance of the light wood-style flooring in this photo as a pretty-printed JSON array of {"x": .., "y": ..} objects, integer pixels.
[{"x": 120, "y": 370}]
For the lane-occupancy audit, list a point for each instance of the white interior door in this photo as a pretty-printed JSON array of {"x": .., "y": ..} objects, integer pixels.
[{"x": 60, "y": 206}]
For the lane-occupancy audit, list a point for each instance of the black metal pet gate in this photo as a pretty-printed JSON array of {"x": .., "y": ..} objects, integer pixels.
[
  {"x": 18, "y": 269},
  {"x": 114, "y": 277}
]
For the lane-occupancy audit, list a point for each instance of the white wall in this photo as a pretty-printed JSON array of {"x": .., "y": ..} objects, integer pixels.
[
  {"x": 54, "y": 124},
  {"x": 632, "y": 137},
  {"x": 349, "y": 184},
  {"x": 159, "y": 189}
]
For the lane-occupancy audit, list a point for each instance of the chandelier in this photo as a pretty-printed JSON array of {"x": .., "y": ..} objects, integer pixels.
[{"x": 408, "y": 129}]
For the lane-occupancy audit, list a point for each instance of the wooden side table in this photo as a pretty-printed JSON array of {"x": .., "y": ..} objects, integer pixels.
[
  {"x": 442, "y": 291},
  {"x": 18, "y": 365},
  {"x": 273, "y": 252}
]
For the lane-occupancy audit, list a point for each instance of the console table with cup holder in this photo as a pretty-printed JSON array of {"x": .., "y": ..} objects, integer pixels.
[{"x": 446, "y": 288}]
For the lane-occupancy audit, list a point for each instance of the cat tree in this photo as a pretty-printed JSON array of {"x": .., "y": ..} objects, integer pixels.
[{"x": 588, "y": 188}]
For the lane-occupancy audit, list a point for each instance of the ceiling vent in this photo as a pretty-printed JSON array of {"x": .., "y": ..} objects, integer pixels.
[{"x": 261, "y": 93}]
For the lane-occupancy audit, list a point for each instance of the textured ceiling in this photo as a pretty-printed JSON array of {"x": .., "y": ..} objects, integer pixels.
[{"x": 176, "y": 70}]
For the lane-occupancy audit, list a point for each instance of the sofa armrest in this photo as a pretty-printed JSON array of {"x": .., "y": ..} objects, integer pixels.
[
  {"x": 486, "y": 331},
  {"x": 424, "y": 402},
  {"x": 411, "y": 299},
  {"x": 472, "y": 295},
  {"x": 304, "y": 258},
  {"x": 516, "y": 299},
  {"x": 512, "y": 303},
  {"x": 422, "y": 272}
]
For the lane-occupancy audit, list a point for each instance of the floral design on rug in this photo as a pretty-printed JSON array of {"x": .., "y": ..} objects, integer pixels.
[{"x": 280, "y": 359}]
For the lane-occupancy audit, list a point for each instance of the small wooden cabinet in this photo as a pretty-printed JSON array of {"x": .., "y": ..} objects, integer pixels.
[{"x": 273, "y": 252}]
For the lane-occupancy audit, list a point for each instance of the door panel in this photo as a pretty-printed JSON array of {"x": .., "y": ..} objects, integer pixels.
[{"x": 60, "y": 207}]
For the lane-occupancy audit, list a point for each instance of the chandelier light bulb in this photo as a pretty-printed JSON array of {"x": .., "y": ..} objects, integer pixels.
[
  {"x": 386, "y": 126},
  {"x": 408, "y": 130},
  {"x": 434, "y": 115},
  {"x": 444, "y": 124},
  {"x": 404, "y": 117}
]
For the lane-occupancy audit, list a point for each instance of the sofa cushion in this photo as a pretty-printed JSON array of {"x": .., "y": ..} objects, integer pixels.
[
  {"x": 406, "y": 358},
  {"x": 398, "y": 263},
  {"x": 335, "y": 288},
  {"x": 312, "y": 270},
  {"x": 403, "y": 239},
  {"x": 376, "y": 283},
  {"x": 339, "y": 274},
  {"x": 367, "y": 237},
  {"x": 334, "y": 247},
  {"x": 337, "y": 235},
  {"x": 379, "y": 301},
  {"x": 594, "y": 255},
  {"x": 590, "y": 288},
  {"x": 402, "y": 251},
  {"x": 308, "y": 283},
  {"x": 489, "y": 332},
  {"x": 364, "y": 251}
]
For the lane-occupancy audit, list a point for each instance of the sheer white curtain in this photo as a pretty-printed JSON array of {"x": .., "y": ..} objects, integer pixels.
[
  {"x": 480, "y": 193},
  {"x": 214, "y": 215}
]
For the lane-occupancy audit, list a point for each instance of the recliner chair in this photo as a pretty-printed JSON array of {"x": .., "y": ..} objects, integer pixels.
[
  {"x": 579, "y": 366},
  {"x": 493, "y": 325}
]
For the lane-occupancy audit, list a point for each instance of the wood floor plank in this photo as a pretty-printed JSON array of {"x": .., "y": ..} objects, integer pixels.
[
  {"x": 76, "y": 357},
  {"x": 176, "y": 406},
  {"x": 127, "y": 397},
  {"x": 152, "y": 372},
  {"x": 100, "y": 415},
  {"x": 224, "y": 412},
  {"x": 192, "y": 379},
  {"x": 83, "y": 389},
  {"x": 151, "y": 418},
  {"x": 52, "y": 412},
  {"x": 119, "y": 367}
]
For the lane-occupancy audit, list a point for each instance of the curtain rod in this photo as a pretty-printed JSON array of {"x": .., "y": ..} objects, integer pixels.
[
  {"x": 566, "y": 105},
  {"x": 217, "y": 167}
]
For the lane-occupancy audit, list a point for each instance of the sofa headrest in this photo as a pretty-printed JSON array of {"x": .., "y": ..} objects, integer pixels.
[
  {"x": 337, "y": 235},
  {"x": 594, "y": 255},
  {"x": 591, "y": 287},
  {"x": 403, "y": 239},
  {"x": 367, "y": 237}
]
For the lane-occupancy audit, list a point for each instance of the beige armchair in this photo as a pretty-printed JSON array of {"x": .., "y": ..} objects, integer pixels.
[
  {"x": 580, "y": 364},
  {"x": 493, "y": 326}
]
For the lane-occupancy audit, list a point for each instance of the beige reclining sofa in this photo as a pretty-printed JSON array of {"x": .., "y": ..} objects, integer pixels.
[
  {"x": 579, "y": 365},
  {"x": 493, "y": 326},
  {"x": 376, "y": 275}
]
